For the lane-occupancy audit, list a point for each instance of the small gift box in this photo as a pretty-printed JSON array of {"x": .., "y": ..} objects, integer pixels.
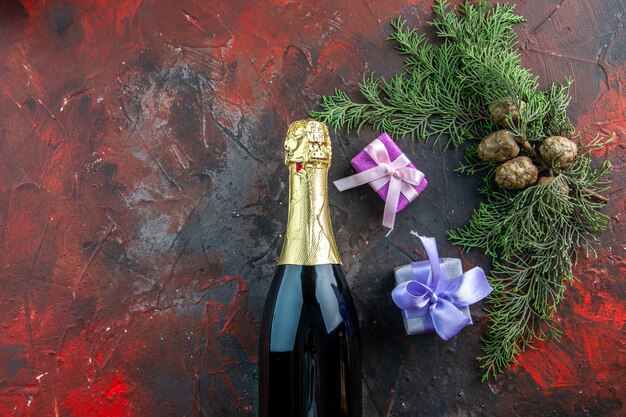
[
  {"x": 389, "y": 172},
  {"x": 435, "y": 294}
]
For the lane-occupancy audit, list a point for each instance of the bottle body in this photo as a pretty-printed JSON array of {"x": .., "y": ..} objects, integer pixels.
[{"x": 309, "y": 356}]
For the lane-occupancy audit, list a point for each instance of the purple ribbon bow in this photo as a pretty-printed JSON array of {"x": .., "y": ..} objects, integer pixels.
[
  {"x": 398, "y": 174},
  {"x": 433, "y": 293}
]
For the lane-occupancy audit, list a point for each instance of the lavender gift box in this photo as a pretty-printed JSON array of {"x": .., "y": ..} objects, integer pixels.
[
  {"x": 424, "y": 324},
  {"x": 362, "y": 162}
]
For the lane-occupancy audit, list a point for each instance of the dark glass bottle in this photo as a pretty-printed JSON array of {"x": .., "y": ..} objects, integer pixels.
[{"x": 309, "y": 353}]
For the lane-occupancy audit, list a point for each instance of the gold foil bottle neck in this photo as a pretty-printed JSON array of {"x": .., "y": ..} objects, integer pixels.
[{"x": 309, "y": 238}]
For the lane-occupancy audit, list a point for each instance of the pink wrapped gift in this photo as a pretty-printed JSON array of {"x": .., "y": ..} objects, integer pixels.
[{"x": 384, "y": 166}]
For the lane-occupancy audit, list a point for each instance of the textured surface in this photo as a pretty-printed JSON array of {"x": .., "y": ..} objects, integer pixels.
[{"x": 142, "y": 201}]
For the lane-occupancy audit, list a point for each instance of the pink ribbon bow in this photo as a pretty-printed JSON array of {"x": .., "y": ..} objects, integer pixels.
[{"x": 398, "y": 174}]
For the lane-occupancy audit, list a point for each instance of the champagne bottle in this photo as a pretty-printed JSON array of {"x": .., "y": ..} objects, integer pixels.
[{"x": 309, "y": 353}]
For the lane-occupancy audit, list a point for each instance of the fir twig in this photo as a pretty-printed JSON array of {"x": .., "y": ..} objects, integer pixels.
[
  {"x": 532, "y": 237},
  {"x": 445, "y": 89}
]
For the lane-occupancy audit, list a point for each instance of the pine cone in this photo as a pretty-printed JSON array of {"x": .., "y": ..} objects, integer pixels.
[
  {"x": 558, "y": 150},
  {"x": 517, "y": 173},
  {"x": 498, "y": 147},
  {"x": 499, "y": 111}
]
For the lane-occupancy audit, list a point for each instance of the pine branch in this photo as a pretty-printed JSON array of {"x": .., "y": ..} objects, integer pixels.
[
  {"x": 444, "y": 91},
  {"x": 532, "y": 237}
]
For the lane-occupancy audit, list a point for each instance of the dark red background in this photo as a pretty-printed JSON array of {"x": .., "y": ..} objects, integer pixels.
[{"x": 142, "y": 198}]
